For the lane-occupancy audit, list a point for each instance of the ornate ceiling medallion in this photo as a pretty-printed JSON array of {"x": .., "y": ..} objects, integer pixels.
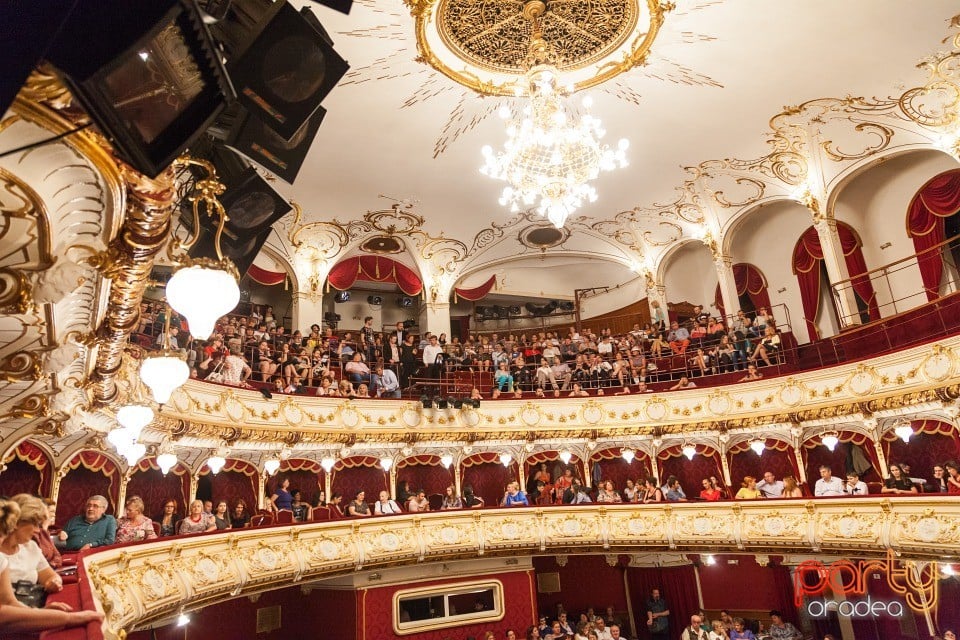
[
  {"x": 481, "y": 44},
  {"x": 543, "y": 237},
  {"x": 382, "y": 244}
]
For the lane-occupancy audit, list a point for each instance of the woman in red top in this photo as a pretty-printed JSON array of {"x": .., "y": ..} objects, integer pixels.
[
  {"x": 544, "y": 476},
  {"x": 953, "y": 477},
  {"x": 710, "y": 491},
  {"x": 563, "y": 483}
]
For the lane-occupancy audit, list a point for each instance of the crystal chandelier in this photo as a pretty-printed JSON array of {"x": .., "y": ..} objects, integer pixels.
[{"x": 551, "y": 154}]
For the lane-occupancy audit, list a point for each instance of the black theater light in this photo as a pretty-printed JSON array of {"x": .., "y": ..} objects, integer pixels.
[
  {"x": 375, "y": 301},
  {"x": 426, "y": 401},
  {"x": 404, "y": 301},
  {"x": 251, "y": 137},
  {"x": 148, "y": 74},
  {"x": 341, "y": 296},
  {"x": 440, "y": 402}
]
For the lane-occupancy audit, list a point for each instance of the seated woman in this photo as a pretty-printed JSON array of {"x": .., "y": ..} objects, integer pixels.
[
  {"x": 503, "y": 379},
  {"x": 240, "y": 517},
  {"x": 710, "y": 491},
  {"x": 898, "y": 482},
  {"x": 358, "y": 507},
  {"x": 43, "y": 538},
  {"x": 790, "y": 488},
  {"x": 608, "y": 494},
  {"x": 748, "y": 489},
  {"x": 221, "y": 515},
  {"x": 22, "y": 556},
  {"x": 197, "y": 521},
  {"x": 631, "y": 492},
  {"x": 14, "y": 616},
  {"x": 769, "y": 346},
  {"x": 418, "y": 501},
  {"x": 651, "y": 492},
  {"x": 134, "y": 525},
  {"x": 563, "y": 483},
  {"x": 451, "y": 500},
  {"x": 168, "y": 519},
  {"x": 301, "y": 510},
  {"x": 740, "y": 632},
  {"x": 470, "y": 499}
]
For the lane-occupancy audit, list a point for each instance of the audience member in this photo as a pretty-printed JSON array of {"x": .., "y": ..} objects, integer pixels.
[
  {"x": 95, "y": 528},
  {"x": 710, "y": 491},
  {"x": 854, "y": 485},
  {"x": 828, "y": 485},
  {"x": 134, "y": 525},
  {"x": 769, "y": 486},
  {"x": 197, "y": 521},
  {"x": 898, "y": 482},
  {"x": 790, "y": 488},
  {"x": 674, "y": 492},
  {"x": 168, "y": 519},
  {"x": 748, "y": 489},
  {"x": 385, "y": 505},
  {"x": 357, "y": 507}
]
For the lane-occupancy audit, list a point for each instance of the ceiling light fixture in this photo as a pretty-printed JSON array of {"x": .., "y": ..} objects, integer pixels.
[
  {"x": 328, "y": 463},
  {"x": 271, "y": 466},
  {"x": 551, "y": 154},
  {"x": 216, "y": 462},
  {"x": 166, "y": 460},
  {"x": 164, "y": 371},
  {"x": 565, "y": 456},
  {"x": 202, "y": 289},
  {"x": 134, "y": 417},
  {"x": 628, "y": 455},
  {"x": 386, "y": 463},
  {"x": 758, "y": 446},
  {"x": 689, "y": 450},
  {"x": 830, "y": 440},
  {"x": 506, "y": 459},
  {"x": 446, "y": 460},
  {"x": 904, "y": 430}
]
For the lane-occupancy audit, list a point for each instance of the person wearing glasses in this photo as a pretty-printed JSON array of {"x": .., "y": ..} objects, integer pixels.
[{"x": 95, "y": 528}]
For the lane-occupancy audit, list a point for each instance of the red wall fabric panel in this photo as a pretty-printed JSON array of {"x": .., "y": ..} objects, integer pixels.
[
  {"x": 518, "y": 594},
  {"x": 745, "y": 585},
  {"x": 230, "y": 486},
  {"x": 678, "y": 586},
  {"x": 617, "y": 470},
  {"x": 586, "y": 581},
  {"x": 20, "y": 477},
  {"x": 324, "y": 613},
  {"x": 489, "y": 480},
  {"x": 78, "y": 485},
  {"x": 155, "y": 489},
  {"x": 432, "y": 478},
  {"x": 372, "y": 480},
  {"x": 837, "y": 460}
]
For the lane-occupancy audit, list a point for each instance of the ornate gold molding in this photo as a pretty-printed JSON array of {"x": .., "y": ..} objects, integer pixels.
[{"x": 136, "y": 585}]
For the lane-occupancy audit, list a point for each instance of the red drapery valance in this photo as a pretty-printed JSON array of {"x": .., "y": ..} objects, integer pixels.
[
  {"x": 933, "y": 427},
  {"x": 676, "y": 450},
  {"x": 771, "y": 443},
  {"x": 265, "y": 277},
  {"x": 299, "y": 464},
  {"x": 613, "y": 453},
  {"x": 31, "y": 454},
  {"x": 93, "y": 461},
  {"x": 374, "y": 269},
  {"x": 807, "y": 256},
  {"x": 356, "y": 461},
  {"x": 484, "y": 457},
  {"x": 146, "y": 464},
  {"x": 548, "y": 456},
  {"x": 426, "y": 460},
  {"x": 476, "y": 293},
  {"x": 936, "y": 200},
  {"x": 843, "y": 436},
  {"x": 749, "y": 280}
]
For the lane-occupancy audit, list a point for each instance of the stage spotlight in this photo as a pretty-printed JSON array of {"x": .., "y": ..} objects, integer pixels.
[
  {"x": 330, "y": 317},
  {"x": 426, "y": 401},
  {"x": 404, "y": 301},
  {"x": 342, "y": 296},
  {"x": 266, "y": 393},
  {"x": 515, "y": 310},
  {"x": 440, "y": 402},
  {"x": 376, "y": 301}
]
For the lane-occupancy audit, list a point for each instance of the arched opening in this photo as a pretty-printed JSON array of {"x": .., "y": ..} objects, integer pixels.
[
  {"x": 305, "y": 476},
  {"x": 27, "y": 470},
  {"x": 751, "y": 290},
  {"x": 932, "y": 220},
  {"x": 425, "y": 472},
  {"x": 487, "y": 476},
  {"x": 87, "y": 474},
  {"x": 357, "y": 473},
  {"x": 155, "y": 488},
  {"x": 379, "y": 287},
  {"x": 236, "y": 481}
]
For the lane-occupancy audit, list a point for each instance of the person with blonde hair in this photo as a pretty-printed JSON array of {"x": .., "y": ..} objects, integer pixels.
[
  {"x": 25, "y": 561},
  {"x": 748, "y": 489},
  {"x": 134, "y": 525},
  {"x": 197, "y": 521},
  {"x": 15, "y": 617}
]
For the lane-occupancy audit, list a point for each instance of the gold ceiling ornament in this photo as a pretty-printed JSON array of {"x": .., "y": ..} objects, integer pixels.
[{"x": 482, "y": 44}]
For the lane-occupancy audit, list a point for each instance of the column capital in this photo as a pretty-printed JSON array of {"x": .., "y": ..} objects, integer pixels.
[{"x": 722, "y": 261}]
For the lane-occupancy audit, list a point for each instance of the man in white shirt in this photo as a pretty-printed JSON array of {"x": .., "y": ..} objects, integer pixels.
[
  {"x": 828, "y": 485},
  {"x": 770, "y": 487},
  {"x": 386, "y": 383},
  {"x": 430, "y": 353},
  {"x": 854, "y": 486},
  {"x": 694, "y": 631},
  {"x": 601, "y": 630}
]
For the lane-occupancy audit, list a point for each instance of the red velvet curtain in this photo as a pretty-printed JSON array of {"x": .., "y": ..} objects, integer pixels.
[
  {"x": 28, "y": 471},
  {"x": 308, "y": 481},
  {"x": 264, "y": 277},
  {"x": 936, "y": 200},
  {"x": 488, "y": 479},
  {"x": 476, "y": 293},
  {"x": 237, "y": 480},
  {"x": 807, "y": 258},
  {"x": 777, "y": 457},
  {"x": 359, "y": 472},
  {"x": 678, "y": 587},
  {"x": 691, "y": 473},
  {"x": 615, "y": 469},
  {"x": 784, "y": 590},
  {"x": 816, "y": 454},
  {"x": 933, "y": 442},
  {"x": 148, "y": 482},
  {"x": 425, "y": 472},
  {"x": 750, "y": 280},
  {"x": 375, "y": 269}
]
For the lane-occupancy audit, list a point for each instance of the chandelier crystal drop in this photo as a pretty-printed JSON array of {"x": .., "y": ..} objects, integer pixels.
[
  {"x": 506, "y": 459},
  {"x": 271, "y": 466},
  {"x": 327, "y": 463},
  {"x": 216, "y": 462},
  {"x": 552, "y": 153},
  {"x": 446, "y": 460},
  {"x": 565, "y": 456},
  {"x": 386, "y": 463},
  {"x": 203, "y": 295}
]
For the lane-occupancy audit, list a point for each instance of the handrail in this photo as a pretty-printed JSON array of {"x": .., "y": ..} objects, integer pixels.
[
  {"x": 138, "y": 584},
  {"x": 885, "y": 267}
]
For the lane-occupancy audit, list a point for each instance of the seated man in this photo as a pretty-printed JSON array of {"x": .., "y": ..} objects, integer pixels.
[
  {"x": 679, "y": 339},
  {"x": 854, "y": 486},
  {"x": 357, "y": 370},
  {"x": 561, "y": 373},
  {"x": 770, "y": 487},
  {"x": 674, "y": 492},
  {"x": 385, "y": 383},
  {"x": 828, "y": 485},
  {"x": 93, "y": 529}
]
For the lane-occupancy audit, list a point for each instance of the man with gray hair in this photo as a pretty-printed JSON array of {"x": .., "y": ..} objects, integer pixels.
[{"x": 92, "y": 529}]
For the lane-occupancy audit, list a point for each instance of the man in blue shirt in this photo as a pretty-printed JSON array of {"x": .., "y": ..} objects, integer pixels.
[
  {"x": 93, "y": 529},
  {"x": 679, "y": 339}
]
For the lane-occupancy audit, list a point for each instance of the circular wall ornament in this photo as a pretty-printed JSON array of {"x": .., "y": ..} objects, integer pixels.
[
  {"x": 656, "y": 409},
  {"x": 636, "y": 527},
  {"x": 389, "y": 541},
  {"x": 719, "y": 404},
  {"x": 329, "y": 550},
  {"x": 410, "y": 417},
  {"x": 449, "y": 535},
  {"x": 863, "y": 382},
  {"x": 774, "y": 526},
  {"x": 937, "y": 366},
  {"x": 482, "y": 44},
  {"x": 350, "y": 417},
  {"x": 571, "y": 527},
  {"x": 791, "y": 394},
  {"x": 928, "y": 529}
]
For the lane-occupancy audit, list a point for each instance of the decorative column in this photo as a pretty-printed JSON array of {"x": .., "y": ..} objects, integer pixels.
[
  {"x": 307, "y": 309},
  {"x": 326, "y": 485},
  {"x": 836, "y": 265},
  {"x": 392, "y": 482},
  {"x": 654, "y": 464},
  {"x": 656, "y": 292},
  {"x": 876, "y": 436},
  {"x": 796, "y": 432},
  {"x": 58, "y": 475},
  {"x": 261, "y": 489},
  {"x": 728, "y": 285},
  {"x": 435, "y": 312},
  {"x": 724, "y": 463},
  {"x": 122, "y": 499},
  {"x": 457, "y": 478},
  {"x": 195, "y": 484}
]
